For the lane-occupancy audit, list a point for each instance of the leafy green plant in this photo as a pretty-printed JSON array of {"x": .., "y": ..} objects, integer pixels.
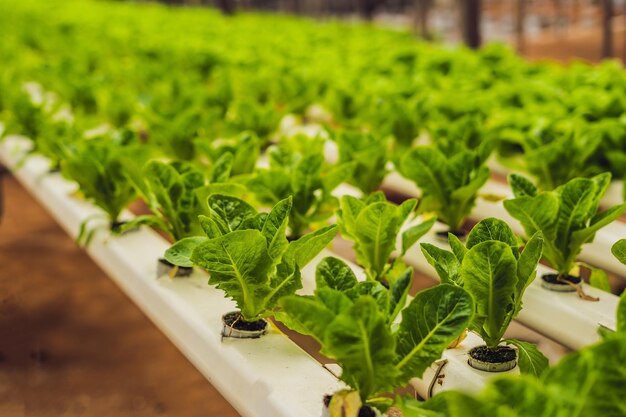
[
  {"x": 370, "y": 155},
  {"x": 541, "y": 149},
  {"x": 245, "y": 149},
  {"x": 97, "y": 166},
  {"x": 177, "y": 132},
  {"x": 373, "y": 225},
  {"x": 397, "y": 117},
  {"x": 307, "y": 179},
  {"x": 492, "y": 269},
  {"x": 567, "y": 217},
  {"x": 260, "y": 117},
  {"x": 353, "y": 322},
  {"x": 27, "y": 117},
  {"x": 168, "y": 189},
  {"x": 247, "y": 254},
  {"x": 449, "y": 184},
  {"x": 584, "y": 383}
]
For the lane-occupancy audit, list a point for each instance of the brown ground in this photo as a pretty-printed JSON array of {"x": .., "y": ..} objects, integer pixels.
[{"x": 71, "y": 343}]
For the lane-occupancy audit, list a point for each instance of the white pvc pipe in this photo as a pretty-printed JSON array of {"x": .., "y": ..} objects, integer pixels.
[{"x": 452, "y": 372}]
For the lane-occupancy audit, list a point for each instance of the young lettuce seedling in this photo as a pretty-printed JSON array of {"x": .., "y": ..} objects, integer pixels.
[
  {"x": 545, "y": 145},
  {"x": 492, "y": 269},
  {"x": 370, "y": 155},
  {"x": 353, "y": 322},
  {"x": 568, "y": 217},
  {"x": 305, "y": 177},
  {"x": 556, "y": 393},
  {"x": 373, "y": 225},
  {"x": 97, "y": 166},
  {"x": 247, "y": 253},
  {"x": 262, "y": 118},
  {"x": 244, "y": 148},
  {"x": 168, "y": 189},
  {"x": 449, "y": 184}
]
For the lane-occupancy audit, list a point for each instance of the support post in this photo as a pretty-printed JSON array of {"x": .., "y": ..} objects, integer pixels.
[
  {"x": 607, "y": 28},
  {"x": 422, "y": 9},
  {"x": 470, "y": 16},
  {"x": 520, "y": 25}
]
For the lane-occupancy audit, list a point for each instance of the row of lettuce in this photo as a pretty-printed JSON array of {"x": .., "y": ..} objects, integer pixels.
[
  {"x": 254, "y": 258},
  {"x": 184, "y": 122},
  {"x": 180, "y": 78}
]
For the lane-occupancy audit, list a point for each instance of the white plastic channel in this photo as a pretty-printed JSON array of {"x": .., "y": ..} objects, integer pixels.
[
  {"x": 267, "y": 377},
  {"x": 563, "y": 317},
  {"x": 597, "y": 253}
]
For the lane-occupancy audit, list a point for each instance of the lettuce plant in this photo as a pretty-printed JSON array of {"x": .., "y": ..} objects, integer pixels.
[
  {"x": 97, "y": 166},
  {"x": 262, "y": 118},
  {"x": 247, "y": 254},
  {"x": 568, "y": 217},
  {"x": 370, "y": 155},
  {"x": 26, "y": 116},
  {"x": 598, "y": 368},
  {"x": 373, "y": 225},
  {"x": 168, "y": 189},
  {"x": 397, "y": 117},
  {"x": 542, "y": 147},
  {"x": 492, "y": 269},
  {"x": 307, "y": 179},
  {"x": 245, "y": 149},
  {"x": 175, "y": 133},
  {"x": 353, "y": 322},
  {"x": 449, "y": 184}
]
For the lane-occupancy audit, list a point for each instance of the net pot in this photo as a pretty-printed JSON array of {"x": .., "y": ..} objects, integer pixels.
[
  {"x": 500, "y": 359},
  {"x": 164, "y": 267},
  {"x": 233, "y": 325},
  {"x": 553, "y": 283}
]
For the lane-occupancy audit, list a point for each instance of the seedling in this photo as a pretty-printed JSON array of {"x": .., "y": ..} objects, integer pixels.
[
  {"x": 373, "y": 225},
  {"x": 353, "y": 322},
  {"x": 567, "y": 217},
  {"x": 247, "y": 253},
  {"x": 492, "y": 269},
  {"x": 449, "y": 184}
]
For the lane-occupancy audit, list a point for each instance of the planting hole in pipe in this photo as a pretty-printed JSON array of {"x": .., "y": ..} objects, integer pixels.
[
  {"x": 556, "y": 282},
  {"x": 236, "y": 327},
  {"x": 569, "y": 283},
  {"x": 498, "y": 359},
  {"x": 164, "y": 267}
]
